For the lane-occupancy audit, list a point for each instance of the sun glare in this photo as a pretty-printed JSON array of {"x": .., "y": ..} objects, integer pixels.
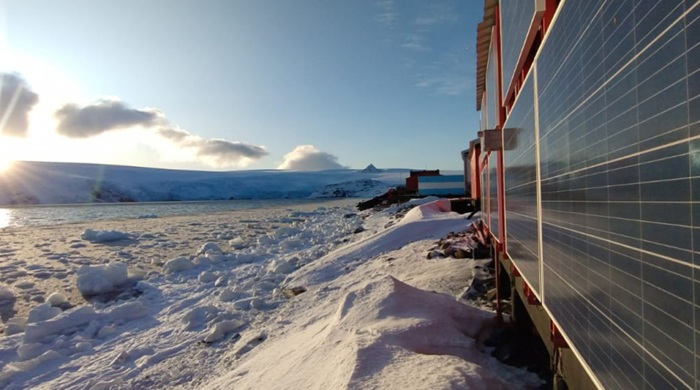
[{"x": 5, "y": 165}]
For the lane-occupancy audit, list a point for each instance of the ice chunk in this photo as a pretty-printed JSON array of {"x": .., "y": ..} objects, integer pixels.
[
  {"x": 207, "y": 277},
  {"x": 237, "y": 243},
  {"x": 178, "y": 264},
  {"x": 265, "y": 285},
  {"x": 129, "y": 311},
  {"x": 144, "y": 286},
  {"x": 214, "y": 257},
  {"x": 70, "y": 319},
  {"x": 248, "y": 303},
  {"x": 42, "y": 312},
  {"x": 281, "y": 266},
  {"x": 57, "y": 299},
  {"x": 81, "y": 347},
  {"x": 220, "y": 329},
  {"x": 30, "y": 350},
  {"x": 285, "y": 231},
  {"x": 101, "y": 236},
  {"x": 106, "y": 384},
  {"x": 6, "y": 294},
  {"x": 99, "y": 279},
  {"x": 229, "y": 295},
  {"x": 209, "y": 247},
  {"x": 15, "y": 325},
  {"x": 199, "y": 315},
  {"x": 221, "y": 281},
  {"x": 106, "y": 331}
]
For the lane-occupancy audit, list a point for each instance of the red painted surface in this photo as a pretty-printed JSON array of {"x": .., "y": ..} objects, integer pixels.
[
  {"x": 475, "y": 170},
  {"x": 557, "y": 339},
  {"x": 529, "y": 294}
]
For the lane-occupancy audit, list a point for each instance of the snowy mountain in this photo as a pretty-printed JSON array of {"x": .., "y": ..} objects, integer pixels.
[
  {"x": 371, "y": 169},
  {"x": 60, "y": 183}
]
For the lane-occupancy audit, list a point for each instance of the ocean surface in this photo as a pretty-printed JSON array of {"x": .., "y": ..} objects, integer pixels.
[{"x": 43, "y": 215}]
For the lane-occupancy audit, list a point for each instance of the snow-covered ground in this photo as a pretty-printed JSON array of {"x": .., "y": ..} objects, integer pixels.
[
  {"x": 323, "y": 298},
  {"x": 59, "y": 183}
]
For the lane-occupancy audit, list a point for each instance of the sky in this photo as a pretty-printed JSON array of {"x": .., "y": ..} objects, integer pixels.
[{"x": 233, "y": 84}]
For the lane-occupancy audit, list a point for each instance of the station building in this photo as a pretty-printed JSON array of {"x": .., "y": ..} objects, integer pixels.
[{"x": 589, "y": 169}]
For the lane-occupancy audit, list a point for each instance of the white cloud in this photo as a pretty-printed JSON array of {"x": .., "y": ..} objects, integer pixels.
[
  {"x": 387, "y": 13},
  {"x": 216, "y": 152},
  {"x": 414, "y": 42},
  {"x": 112, "y": 115},
  {"x": 102, "y": 116},
  {"x": 437, "y": 14},
  {"x": 16, "y": 100},
  {"x": 450, "y": 84},
  {"x": 308, "y": 158}
]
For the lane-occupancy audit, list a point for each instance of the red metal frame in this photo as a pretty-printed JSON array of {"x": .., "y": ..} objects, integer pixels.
[
  {"x": 530, "y": 295},
  {"x": 557, "y": 338}
]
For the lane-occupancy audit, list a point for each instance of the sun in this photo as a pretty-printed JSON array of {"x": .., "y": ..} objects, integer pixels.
[{"x": 5, "y": 165}]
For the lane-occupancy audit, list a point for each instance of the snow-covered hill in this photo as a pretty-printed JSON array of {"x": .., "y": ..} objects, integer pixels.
[{"x": 58, "y": 183}]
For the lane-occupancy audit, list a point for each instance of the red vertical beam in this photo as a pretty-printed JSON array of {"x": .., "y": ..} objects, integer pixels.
[{"x": 550, "y": 8}]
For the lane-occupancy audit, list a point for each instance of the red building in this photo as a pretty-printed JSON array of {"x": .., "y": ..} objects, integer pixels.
[{"x": 412, "y": 180}]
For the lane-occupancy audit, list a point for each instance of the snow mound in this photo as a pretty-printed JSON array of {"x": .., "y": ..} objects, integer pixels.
[
  {"x": 99, "y": 279},
  {"x": 427, "y": 210},
  {"x": 392, "y": 328}
]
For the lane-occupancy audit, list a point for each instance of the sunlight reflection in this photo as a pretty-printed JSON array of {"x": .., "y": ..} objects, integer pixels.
[{"x": 5, "y": 217}]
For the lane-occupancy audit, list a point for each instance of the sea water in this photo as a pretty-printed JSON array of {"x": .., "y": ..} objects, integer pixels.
[{"x": 42, "y": 215}]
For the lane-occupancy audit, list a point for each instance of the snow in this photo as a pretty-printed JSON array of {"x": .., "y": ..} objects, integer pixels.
[
  {"x": 296, "y": 301},
  {"x": 58, "y": 183}
]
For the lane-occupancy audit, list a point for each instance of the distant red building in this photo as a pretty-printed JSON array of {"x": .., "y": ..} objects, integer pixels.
[{"x": 412, "y": 180}]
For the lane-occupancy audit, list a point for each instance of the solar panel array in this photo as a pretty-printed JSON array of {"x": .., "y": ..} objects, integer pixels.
[{"x": 617, "y": 128}]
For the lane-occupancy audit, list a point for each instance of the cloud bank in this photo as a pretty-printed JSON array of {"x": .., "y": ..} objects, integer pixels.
[
  {"x": 308, "y": 158},
  {"x": 216, "y": 152},
  {"x": 110, "y": 115},
  {"x": 16, "y": 100},
  {"x": 100, "y": 117}
]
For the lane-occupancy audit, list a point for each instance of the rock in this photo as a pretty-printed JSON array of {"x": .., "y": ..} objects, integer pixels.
[{"x": 293, "y": 291}]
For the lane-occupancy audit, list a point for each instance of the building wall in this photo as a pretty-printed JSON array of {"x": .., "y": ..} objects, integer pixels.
[
  {"x": 612, "y": 108},
  {"x": 441, "y": 185}
]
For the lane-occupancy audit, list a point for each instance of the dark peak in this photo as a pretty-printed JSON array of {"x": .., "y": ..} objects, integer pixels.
[{"x": 371, "y": 169}]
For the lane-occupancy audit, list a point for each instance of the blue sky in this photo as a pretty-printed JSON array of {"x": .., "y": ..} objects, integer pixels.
[{"x": 229, "y": 84}]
